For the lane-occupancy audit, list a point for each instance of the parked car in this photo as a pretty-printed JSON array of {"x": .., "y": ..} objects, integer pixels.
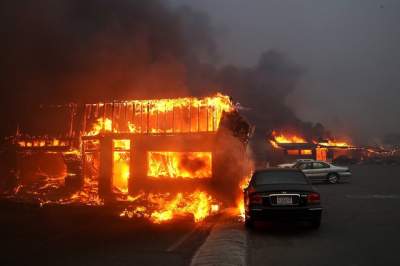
[
  {"x": 323, "y": 171},
  {"x": 281, "y": 194},
  {"x": 290, "y": 165}
]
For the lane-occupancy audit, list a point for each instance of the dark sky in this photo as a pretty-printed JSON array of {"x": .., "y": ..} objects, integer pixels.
[{"x": 349, "y": 50}]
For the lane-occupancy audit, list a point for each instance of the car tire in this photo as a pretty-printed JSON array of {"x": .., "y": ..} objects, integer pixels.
[
  {"x": 316, "y": 223},
  {"x": 333, "y": 178},
  {"x": 248, "y": 222}
]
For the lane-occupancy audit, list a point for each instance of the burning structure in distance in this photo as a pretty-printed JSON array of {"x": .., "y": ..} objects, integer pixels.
[{"x": 289, "y": 147}]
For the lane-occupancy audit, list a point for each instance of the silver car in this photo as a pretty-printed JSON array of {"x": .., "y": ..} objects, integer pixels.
[
  {"x": 323, "y": 171},
  {"x": 290, "y": 165}
]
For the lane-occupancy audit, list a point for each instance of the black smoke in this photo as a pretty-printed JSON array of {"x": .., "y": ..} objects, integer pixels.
[
  {"x": 72, "y": 50},
  {"x": 86, "y": 51}
]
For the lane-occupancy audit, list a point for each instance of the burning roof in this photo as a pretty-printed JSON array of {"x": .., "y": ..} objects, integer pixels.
[
  {"x": 180, "y": 115},
  {"x": 289, "y": 139}
]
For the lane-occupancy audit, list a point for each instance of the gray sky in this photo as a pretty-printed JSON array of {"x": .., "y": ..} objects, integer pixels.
[{"x": 349, "y": 50}]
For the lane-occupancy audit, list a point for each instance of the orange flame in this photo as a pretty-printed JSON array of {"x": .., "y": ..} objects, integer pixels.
[
  {"x": 180, "y": 164},
  {"x": 239, "y": 201},
  {"x": 101, "y": 125},
  {"x": 121, "y": 165},
  {"x": 42, "y": 143},
  {"x": 330, "y": 143},
  {"x": 287, "y": 138},
  {"x": 182, "y": 115},
  {"x": 179, "y": 115},
  {"x": 164, "y": 208}
]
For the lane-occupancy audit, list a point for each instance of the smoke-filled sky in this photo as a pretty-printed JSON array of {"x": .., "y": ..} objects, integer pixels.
[
  {"x": 288, "y": 62},
  {"x": 349, "y": 50}
]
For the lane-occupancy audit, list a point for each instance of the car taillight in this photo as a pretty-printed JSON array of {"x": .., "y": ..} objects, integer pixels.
[
  {"x": 255, "y": 198},
  {"x": 313, "y": 198}
]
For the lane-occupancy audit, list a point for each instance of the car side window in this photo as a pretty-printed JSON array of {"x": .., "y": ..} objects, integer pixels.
[
  {"x": 305, "y": 166},
  {"x": 301, "y": 166},
  {"x": 320, "y": 165},
  {"x": 326, "y": 165}
]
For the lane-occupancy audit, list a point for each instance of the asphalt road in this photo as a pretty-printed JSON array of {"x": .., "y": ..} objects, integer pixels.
[
  {"x": 66, "y": 235},
  {"x": 360, "y": 226}
]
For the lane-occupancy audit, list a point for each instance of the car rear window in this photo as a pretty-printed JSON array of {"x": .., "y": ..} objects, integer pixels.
[{"x": 279, "y": 177}]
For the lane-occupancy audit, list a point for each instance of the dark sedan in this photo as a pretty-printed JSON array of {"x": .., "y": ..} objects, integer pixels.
[{"x": 281, "y": 194}]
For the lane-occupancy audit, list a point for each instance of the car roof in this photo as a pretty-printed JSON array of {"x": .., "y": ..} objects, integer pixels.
[
  {"x": 313, "y": 161},
  {"x": 277, "y": 169}
]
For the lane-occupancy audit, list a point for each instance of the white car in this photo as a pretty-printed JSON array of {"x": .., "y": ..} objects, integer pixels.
[
  {"x": 323, "y": 171},
  {"x": 290, "y": 165}
]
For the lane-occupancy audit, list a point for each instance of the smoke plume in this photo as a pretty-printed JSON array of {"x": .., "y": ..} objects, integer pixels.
[{"x": 87, "y": 51}]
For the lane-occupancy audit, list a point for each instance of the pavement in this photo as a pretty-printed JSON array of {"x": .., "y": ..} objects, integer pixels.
[
  {"x": 360, "y": 226},
  {"x": 70, "y": 235}
]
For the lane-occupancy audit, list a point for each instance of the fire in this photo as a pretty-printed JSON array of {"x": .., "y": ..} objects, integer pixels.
[
  {"x": 244, "y": 183},
  {"x": 196, "y": 204},
  {"x": 164, "y": 207},
  {"x": 52, "y": 193},
  {"x": 330, "y": 143},
  {"x": 44, "y": 142},
  {"x": 88, "y": 195},
  {"x": 274, "y": 144},
  {"x": 287, "y": 138},
  {"x": 101, "y": 125},
  {"x": 180, "y": 115},
  {"x": 97, "y": 170},
  {"x": 180, "y": 164},
  {"x": 121, "y": 164},
  {"x": 121, "y": 171}
]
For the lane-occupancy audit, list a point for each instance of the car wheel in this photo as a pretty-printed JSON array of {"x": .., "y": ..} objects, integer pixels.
[
  {"x": 316, "y": 223},
  {"x": 248, "y": 222},
  {"x": 333, "y": 178}
]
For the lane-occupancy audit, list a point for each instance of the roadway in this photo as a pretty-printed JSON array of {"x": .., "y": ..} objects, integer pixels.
[{"x": 360, "y": 226}]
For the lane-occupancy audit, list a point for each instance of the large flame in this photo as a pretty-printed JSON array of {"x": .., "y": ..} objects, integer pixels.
[
  {"x": 181, "y": 115},
  {"x": 180, "y": 164},
  {"x": 121, "y": 164},
  {"x": 101, "y": 125},
  {"x": 165, "y": 207},
  {"x": 287, "y": 138},
  {"x": 161, "y": 116},
  {"x": 244, "y": 183}
]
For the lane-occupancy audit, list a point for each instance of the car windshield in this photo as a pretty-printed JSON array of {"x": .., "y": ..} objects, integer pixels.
[{"x": 279, "y": 177}]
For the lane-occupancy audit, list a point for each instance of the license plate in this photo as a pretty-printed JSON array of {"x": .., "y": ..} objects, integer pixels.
[{"x": 284, "y": 201}]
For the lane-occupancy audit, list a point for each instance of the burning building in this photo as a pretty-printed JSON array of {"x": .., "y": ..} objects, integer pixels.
[
  {"x": 289, "y": 147},
  {"x": 116, "y": 150}
]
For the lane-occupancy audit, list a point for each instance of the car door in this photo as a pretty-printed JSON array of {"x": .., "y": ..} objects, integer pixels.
[
  {"x": 320, "y": 170},
  {"x": 307, "y": 169}
]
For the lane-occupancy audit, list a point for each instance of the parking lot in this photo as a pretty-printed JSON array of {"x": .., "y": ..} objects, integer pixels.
[{"x": 360, "y": 226}]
